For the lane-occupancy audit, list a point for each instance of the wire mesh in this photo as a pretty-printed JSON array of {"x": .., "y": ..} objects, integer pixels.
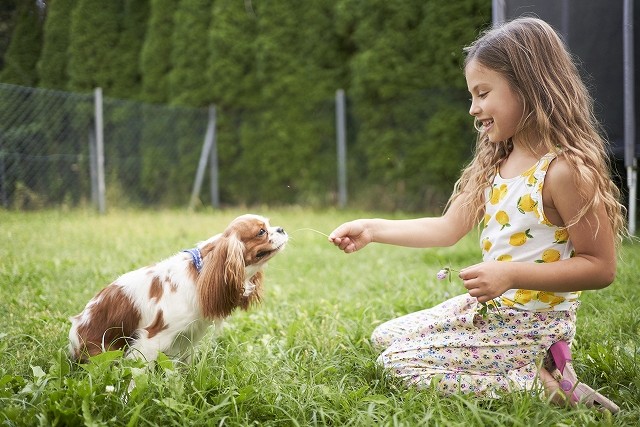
[{"x": 46, "y": 151}]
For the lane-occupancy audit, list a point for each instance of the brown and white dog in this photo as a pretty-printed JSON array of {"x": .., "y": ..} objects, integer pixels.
[{"x": 168, "y": 306}]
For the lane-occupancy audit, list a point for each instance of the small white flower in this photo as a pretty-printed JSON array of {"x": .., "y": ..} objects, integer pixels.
[{"x": 109, "y": 389}]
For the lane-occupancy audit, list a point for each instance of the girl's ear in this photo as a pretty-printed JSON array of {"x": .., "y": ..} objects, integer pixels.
[{"x": 220, "y": 282}]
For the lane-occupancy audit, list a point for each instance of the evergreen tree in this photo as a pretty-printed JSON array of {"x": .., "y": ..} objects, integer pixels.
[
  {"x": 155, "y": 66},
  {"x": 386, "y": 71},
  {"x": 298, "y": 70},
  {"x": 126, "y": 68},
  {"x": 155, "y": 57},
  {"x": 235, "y": 87},
  {"x": 399, "y": 86},
  {"x": 232, "y": 63},
  {"x": 448, "y": 136},
  {"x": 52, "y": 66},
  {"x": 95, "y": 27},
  {"x": 122, "y": 119},
  {"x": 61, "y": 176},
  {"x": 189, "y": 82},
  {"x": 24, "y": 48},
  {"x": 456, "y": 24},
  {"x": 7, "y": 22}
]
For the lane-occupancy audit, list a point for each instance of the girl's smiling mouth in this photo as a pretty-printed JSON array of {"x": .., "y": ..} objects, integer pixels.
[{"x": 484, "y": 125}]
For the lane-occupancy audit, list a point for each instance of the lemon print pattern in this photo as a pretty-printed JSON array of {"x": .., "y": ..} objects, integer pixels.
[
  {"x": 507, "y": 302},
  {"x": 550, "y": 298},
  {"x": 531, "y": 179},
  {"x": 549, "y": 255},
  {"x": 503, "y": 219},
  {"x": 486, "y": 244},
  {"x": 561, "y": 235},
  {"x": 527, "y": 204},
  {"x": 524, "y": 296},
  {"x": 515, "y": 229},
  {"x": 520, "y": 238},
  {"x": 544, "y": 165},
  {"x": 497, "y": 193}
]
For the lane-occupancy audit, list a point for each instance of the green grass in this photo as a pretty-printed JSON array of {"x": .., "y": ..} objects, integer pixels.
[{"x": 301, "y": 358}]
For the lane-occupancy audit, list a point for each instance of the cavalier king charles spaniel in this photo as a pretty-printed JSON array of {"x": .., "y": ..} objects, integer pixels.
[{"x": 168, "y": 306}]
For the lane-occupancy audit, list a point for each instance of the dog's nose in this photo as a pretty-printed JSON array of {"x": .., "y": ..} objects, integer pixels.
[{"x": 280, "y": 230}]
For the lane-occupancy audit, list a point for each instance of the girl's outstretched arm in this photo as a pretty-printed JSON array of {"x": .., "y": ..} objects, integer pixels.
[{"x": 444, "y": 230}]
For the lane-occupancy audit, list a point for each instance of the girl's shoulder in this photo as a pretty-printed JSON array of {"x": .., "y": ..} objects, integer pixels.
[
  {"x": 560, "y": 192},
  {"x": 560, "y": 173}
]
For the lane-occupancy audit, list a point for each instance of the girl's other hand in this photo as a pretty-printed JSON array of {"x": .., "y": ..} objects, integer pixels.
[
  {"x": 487, "y": 280},
  {"x": 351, "y": 236}
]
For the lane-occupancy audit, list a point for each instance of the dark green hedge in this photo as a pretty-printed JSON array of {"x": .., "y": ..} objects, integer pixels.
[{"x": 272, "y": 67}]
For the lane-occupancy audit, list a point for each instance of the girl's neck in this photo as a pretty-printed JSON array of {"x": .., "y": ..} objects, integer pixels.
[{"x": 521, "y": 158}]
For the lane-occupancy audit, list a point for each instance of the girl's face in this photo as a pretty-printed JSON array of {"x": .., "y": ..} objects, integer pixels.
[{"x": 497, "y": 108}]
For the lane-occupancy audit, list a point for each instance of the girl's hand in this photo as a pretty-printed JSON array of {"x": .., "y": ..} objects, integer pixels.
[
  {"x": 351, "y": 236},
  {"x": 487, "y": 280}
]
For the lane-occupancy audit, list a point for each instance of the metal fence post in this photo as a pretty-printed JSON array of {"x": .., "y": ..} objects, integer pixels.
[
  {"x": 213, "y": 161},
  {"x": 3, "y": 189},
  {"x": 209, "y": 142},
  {"x": 341, "y": 134},
  {"x": 99, "y": 151},
  {"x": 630, "y": 159},
  {"x": 93, "y": 173}
]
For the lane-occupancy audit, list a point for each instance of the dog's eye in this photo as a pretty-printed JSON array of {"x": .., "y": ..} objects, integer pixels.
[{"x": 262, "y": 232}]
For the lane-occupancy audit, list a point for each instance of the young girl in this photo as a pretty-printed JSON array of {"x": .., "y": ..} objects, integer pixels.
[{"x": 549, "y": 217}]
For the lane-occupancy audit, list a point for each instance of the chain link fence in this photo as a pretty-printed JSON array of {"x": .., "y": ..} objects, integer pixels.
[
  {"x": 52, "y": 155},
  {"x": 48, "y": 155}
]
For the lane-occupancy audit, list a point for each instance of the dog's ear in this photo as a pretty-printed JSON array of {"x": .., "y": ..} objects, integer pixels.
[
  {"x": 221, "y": 279},
  {"x": 256, "y": 294}
]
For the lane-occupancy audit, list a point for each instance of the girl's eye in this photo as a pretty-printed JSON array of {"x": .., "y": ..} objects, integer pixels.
[
  {"x": 482, "y": 95},
  {"x": 262, "y": 232}
]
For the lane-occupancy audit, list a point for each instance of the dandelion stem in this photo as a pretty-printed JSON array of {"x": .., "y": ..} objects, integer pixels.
[{"x": 311, "y": 229}]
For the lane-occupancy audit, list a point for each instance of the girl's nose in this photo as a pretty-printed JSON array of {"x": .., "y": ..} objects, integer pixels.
[{"x": 474, "y": 109}]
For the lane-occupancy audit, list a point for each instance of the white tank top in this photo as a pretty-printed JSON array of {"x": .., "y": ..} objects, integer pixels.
[{"x": 515, "y": 229}]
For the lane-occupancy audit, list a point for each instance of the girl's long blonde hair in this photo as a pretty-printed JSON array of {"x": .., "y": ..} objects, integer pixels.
[{"x": 558, "y": 109}]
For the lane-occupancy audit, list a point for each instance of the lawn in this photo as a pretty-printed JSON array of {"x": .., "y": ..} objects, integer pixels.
[{"x": 300, "y": 358}]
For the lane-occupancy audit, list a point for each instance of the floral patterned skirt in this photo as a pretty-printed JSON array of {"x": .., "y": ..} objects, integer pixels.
[{"x": 464, "y": 352}]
